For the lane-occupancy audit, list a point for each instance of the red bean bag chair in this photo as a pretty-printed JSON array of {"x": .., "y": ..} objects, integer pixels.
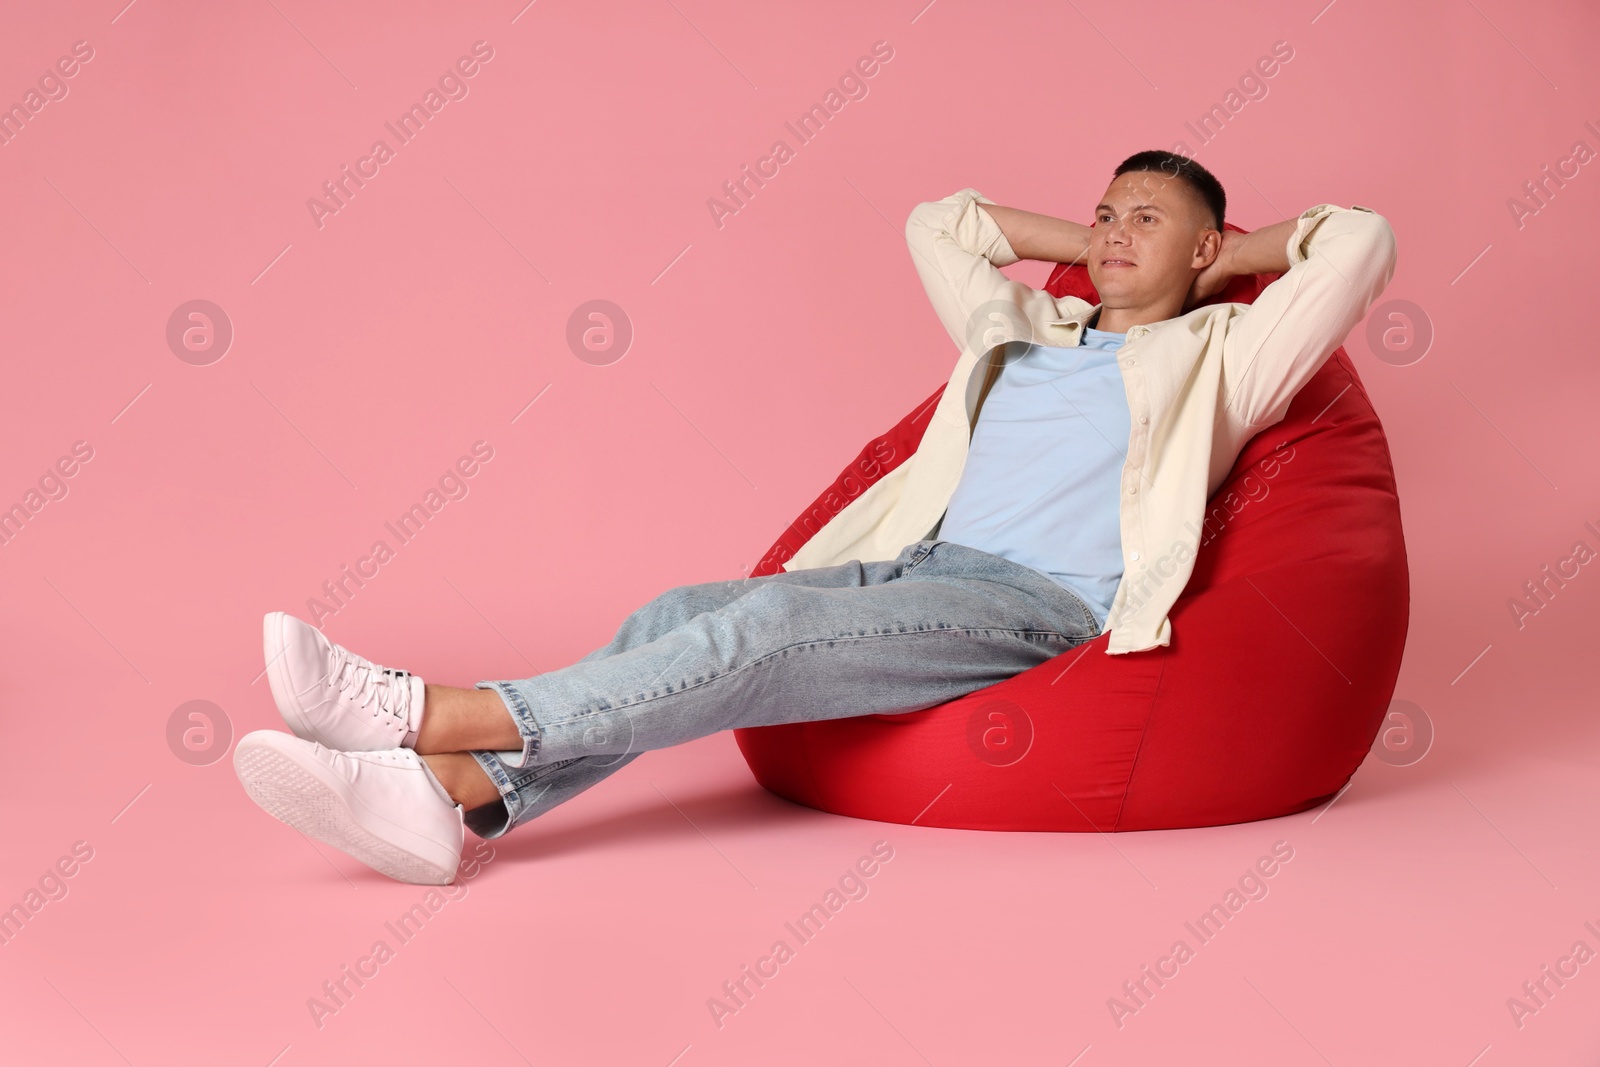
[{"x": 1286, "y": 644}]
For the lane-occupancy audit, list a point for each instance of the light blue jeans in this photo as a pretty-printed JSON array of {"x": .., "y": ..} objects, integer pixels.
[{"x": 938, "y": 621}]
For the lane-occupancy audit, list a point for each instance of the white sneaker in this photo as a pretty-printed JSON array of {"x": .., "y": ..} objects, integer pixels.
[
  {"x": 384, "y": 808},
  {"x": 330, "y": 695}
]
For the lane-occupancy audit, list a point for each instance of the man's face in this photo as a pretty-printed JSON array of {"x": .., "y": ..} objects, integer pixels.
[{"x": 1147, "y": 239}]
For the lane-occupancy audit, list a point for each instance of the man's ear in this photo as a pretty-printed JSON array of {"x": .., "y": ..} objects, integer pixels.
[{"x": 1209, "y": 249}]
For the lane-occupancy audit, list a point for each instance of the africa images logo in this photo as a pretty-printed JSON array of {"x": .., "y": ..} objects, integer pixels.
[{"x": 452, "y": 85}]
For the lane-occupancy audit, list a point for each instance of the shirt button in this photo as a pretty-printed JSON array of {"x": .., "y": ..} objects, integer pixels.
[
  {"x": 1130, "y": 362},
  {"x": 1144, "y": 418},
  {"x": 1133, "y": 555},
  {"x": 1132, "y": 489}
]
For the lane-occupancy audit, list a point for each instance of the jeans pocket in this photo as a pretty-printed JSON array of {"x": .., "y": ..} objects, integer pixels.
[{"x": 1091, "y": 624}]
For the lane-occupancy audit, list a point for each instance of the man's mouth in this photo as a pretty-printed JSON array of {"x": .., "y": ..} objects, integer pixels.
[{"x": 1117, "y": 262}]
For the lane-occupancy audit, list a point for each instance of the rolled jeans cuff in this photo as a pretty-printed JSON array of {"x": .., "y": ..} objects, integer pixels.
[
  {"x": 492, "y": 820},
  {"x": 526, "y": 725}
]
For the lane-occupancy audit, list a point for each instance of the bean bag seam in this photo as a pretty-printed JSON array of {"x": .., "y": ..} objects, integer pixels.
[
  {"x": 811, "y": 771},
  {"x": 1391, "y": 483},
  {"x": 1144, "y": 733}
]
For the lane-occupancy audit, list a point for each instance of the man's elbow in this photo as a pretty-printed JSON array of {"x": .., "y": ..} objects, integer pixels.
[
  {"x": 1385, "y": 254},
  {"x": 1378, "y": 250},
  {"x": 925, "y": 217},
  {"x": 1381, "y": 239}
]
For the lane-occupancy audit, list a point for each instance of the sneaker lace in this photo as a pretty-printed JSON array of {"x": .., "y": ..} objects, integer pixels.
[{"x": 367, "y": 683}]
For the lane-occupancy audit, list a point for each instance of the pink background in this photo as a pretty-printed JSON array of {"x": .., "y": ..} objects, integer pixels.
[{"x": 432, "y": 309}]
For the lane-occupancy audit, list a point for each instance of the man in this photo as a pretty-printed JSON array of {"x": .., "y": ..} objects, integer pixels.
[{"x": 1072, "y": 507}]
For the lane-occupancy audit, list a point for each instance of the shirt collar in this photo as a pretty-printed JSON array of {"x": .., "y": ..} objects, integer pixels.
[{"x": 1077, "y": 323}]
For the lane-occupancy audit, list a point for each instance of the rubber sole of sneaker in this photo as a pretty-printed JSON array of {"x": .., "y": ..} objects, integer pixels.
[{"x": 311, "y": 799}]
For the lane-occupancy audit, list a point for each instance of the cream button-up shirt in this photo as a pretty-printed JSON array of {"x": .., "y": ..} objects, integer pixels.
[{"x": 1199, "y": 387}]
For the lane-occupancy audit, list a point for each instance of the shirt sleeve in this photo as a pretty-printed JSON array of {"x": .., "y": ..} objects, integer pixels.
[
  {"x": 958, "y": 248},
  {"x": 1340, "y": 261}
]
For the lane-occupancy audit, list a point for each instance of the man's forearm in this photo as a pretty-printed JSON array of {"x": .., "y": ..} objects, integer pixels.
[
  {"x": 1262, "y": 251},
  {"x": 1042, "y": 237}
]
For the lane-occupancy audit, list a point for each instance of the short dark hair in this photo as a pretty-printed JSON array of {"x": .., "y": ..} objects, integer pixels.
[{"x": 1175, "y": 166}]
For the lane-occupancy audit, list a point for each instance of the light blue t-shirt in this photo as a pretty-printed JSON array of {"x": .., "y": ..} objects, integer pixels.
[{"x": 1042, "y": 482}]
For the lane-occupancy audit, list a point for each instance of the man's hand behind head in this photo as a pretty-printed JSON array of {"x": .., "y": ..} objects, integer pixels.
[{"x": 1214, "y": 278}]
